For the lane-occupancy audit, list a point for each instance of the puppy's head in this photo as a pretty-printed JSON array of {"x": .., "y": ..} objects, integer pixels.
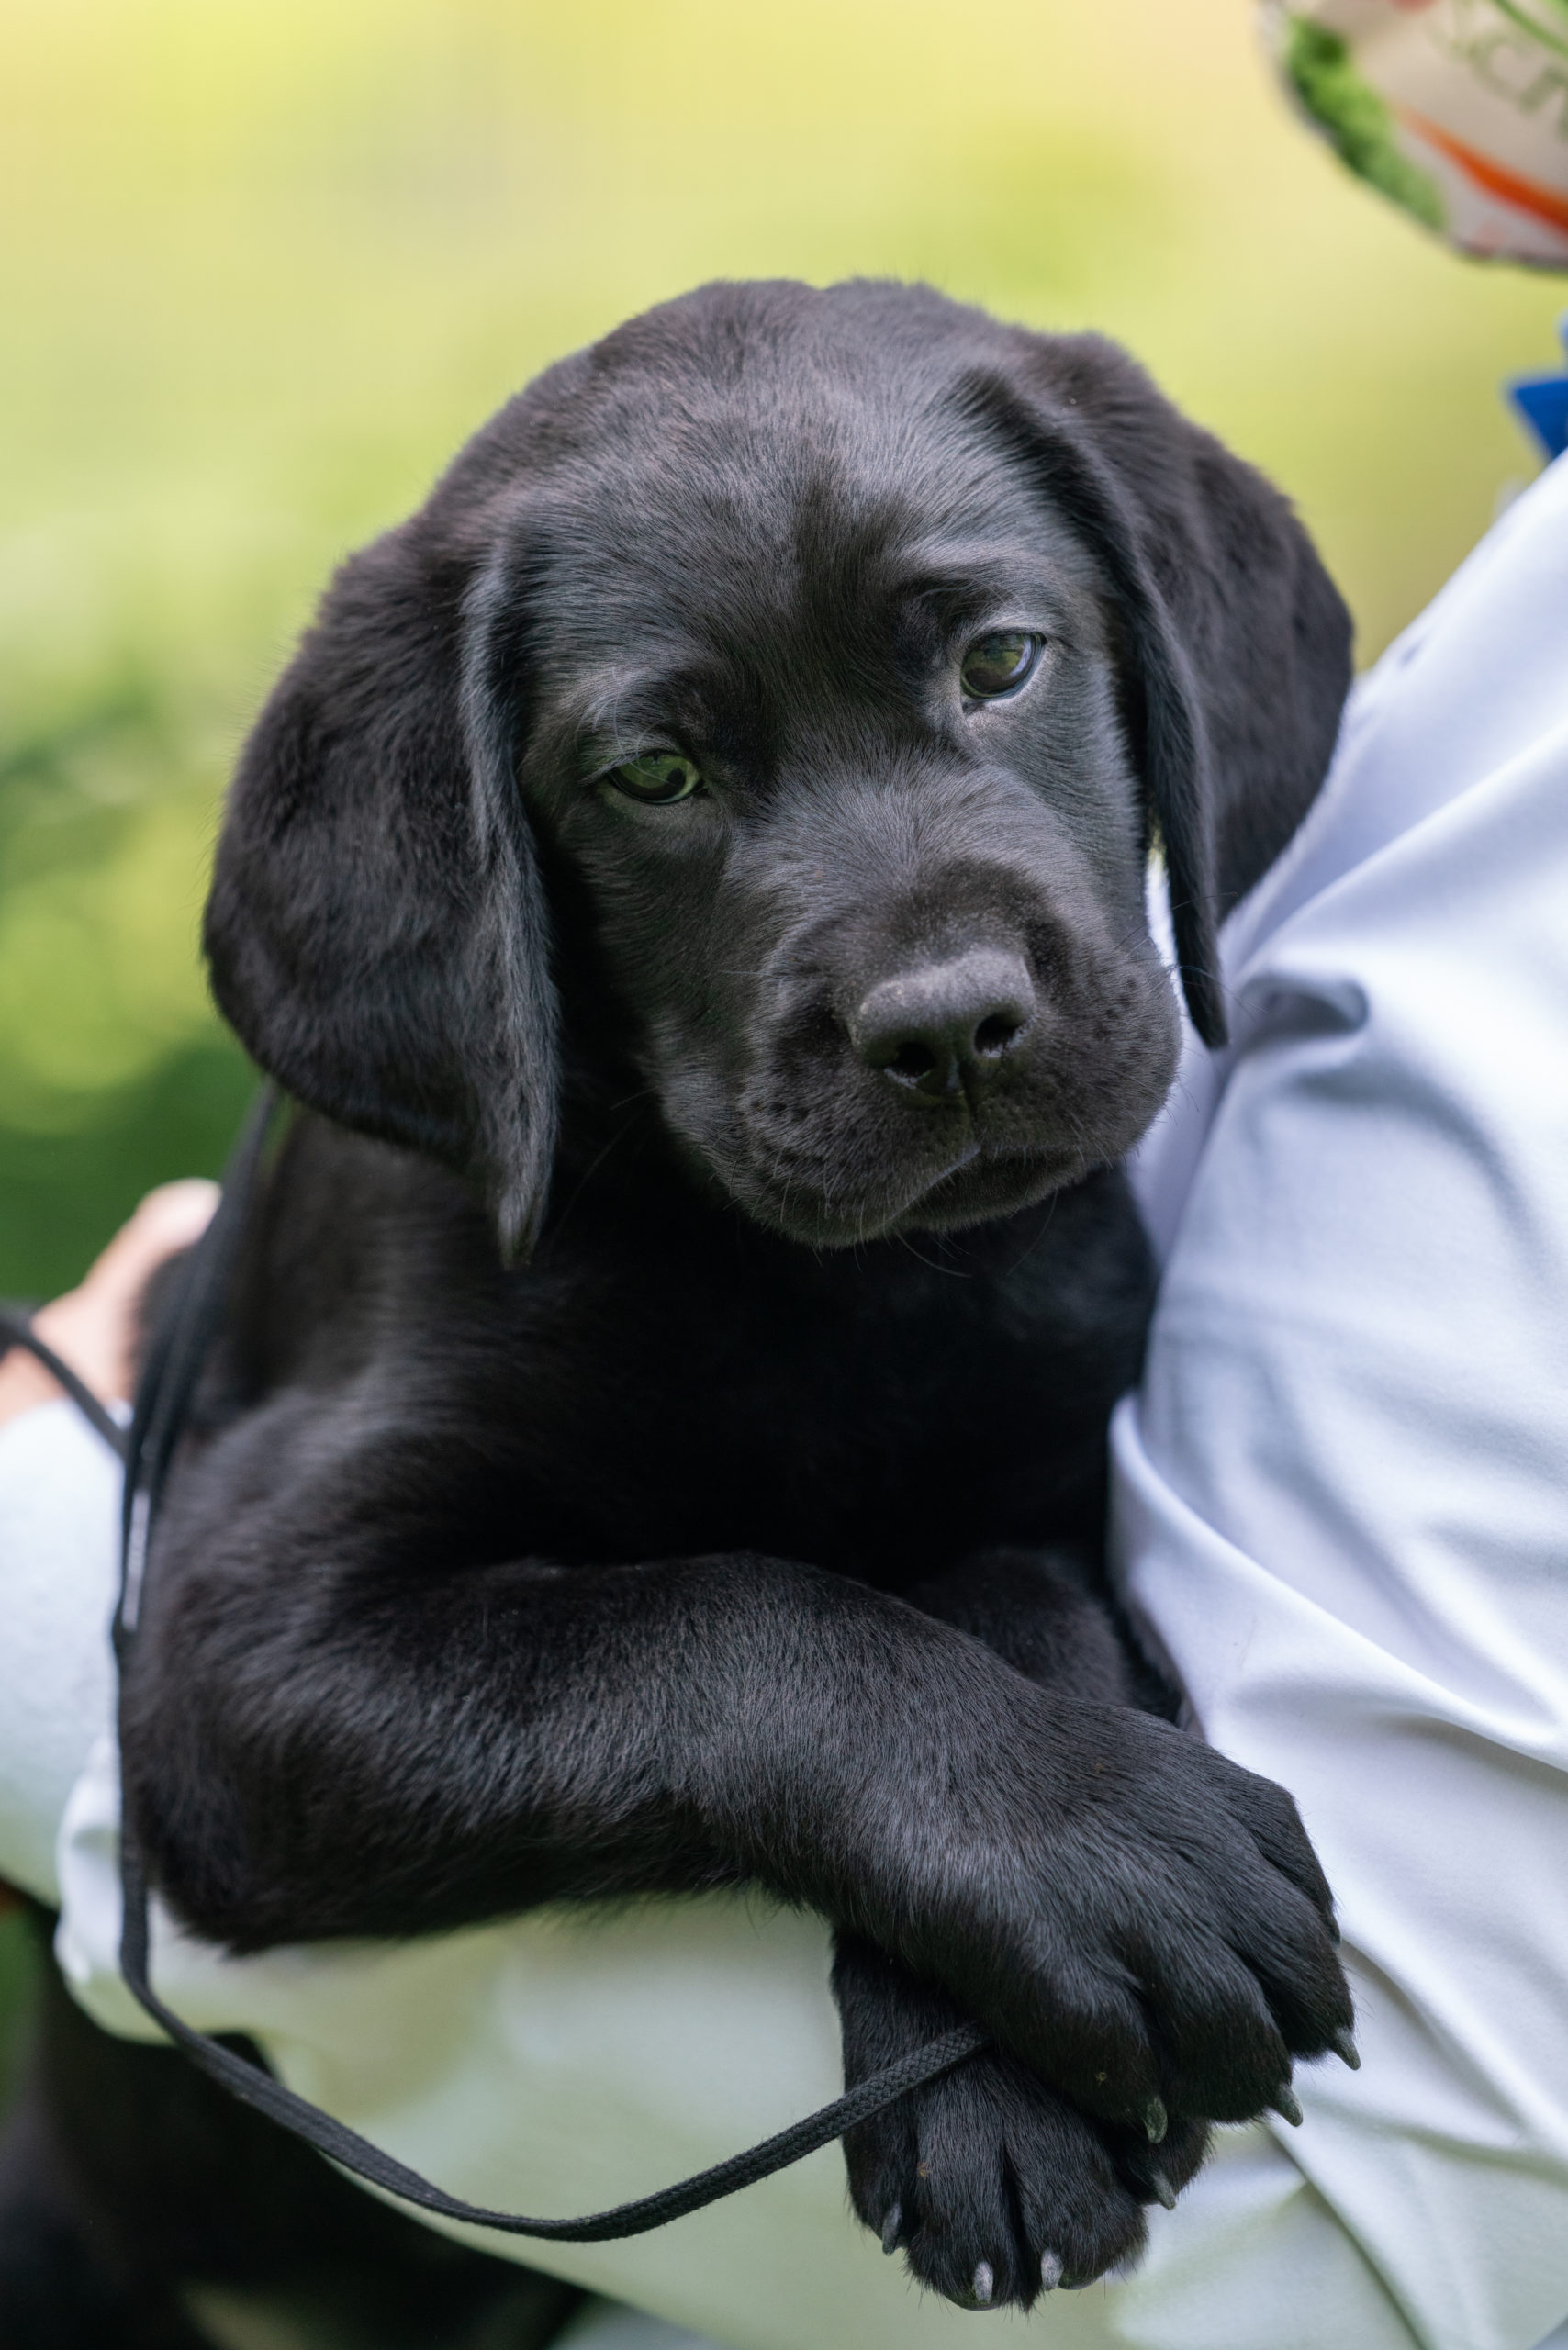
[{"x": 838, "y": 657}]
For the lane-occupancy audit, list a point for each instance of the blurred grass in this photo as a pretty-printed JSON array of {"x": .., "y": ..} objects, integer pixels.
[
  {"x": 16, "y": 1977},
  {"x": 264, "y": 262}
]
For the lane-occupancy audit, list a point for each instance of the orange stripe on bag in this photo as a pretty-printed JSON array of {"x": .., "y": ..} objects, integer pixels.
[{"x": 1525, "y": 195}]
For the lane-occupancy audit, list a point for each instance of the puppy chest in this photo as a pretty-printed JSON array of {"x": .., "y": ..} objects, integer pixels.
[{"x": 878, "y": 1436}]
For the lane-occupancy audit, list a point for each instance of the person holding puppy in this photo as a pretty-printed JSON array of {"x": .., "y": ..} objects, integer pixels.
[{"x": 1339, "y": 1506}]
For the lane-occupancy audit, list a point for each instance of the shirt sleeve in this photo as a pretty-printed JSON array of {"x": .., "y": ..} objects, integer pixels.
[
  {"x": 1340, "y": 1493},
  {"x": 58, "y": 1506}
]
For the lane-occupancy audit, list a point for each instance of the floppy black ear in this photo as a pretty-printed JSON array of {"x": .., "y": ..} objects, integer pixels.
[
  {"x": 376, "y": 931},
  {"x": 1235, "y": 644}
]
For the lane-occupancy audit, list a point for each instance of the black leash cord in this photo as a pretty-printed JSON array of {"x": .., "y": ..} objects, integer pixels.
[
  {"x": 174, "y": 1360},
  {"x": 16, "y": 1330}
]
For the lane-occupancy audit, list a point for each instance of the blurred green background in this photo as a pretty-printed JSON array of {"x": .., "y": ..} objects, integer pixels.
[{"x": 264, "y": 262}]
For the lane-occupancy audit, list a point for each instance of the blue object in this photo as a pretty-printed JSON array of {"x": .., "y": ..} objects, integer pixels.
[{"x": 1542, "y": 403}]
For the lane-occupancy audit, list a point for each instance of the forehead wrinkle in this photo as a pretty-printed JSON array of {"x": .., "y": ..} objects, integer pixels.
[
  {"x": 754, "y": 555},
  {"x": 738, "y": 482},
  {"x": 622, "y": 706},
  {"x": 768, "y": 466}
]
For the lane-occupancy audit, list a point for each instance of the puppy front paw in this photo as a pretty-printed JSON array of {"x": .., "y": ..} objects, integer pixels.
[
  {"x": 995, "y": 2187},
  {"x": 1140, "y": 1918}
]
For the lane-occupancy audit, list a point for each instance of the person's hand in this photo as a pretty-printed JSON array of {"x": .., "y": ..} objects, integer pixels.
[{"x": 93, "y": 1327}]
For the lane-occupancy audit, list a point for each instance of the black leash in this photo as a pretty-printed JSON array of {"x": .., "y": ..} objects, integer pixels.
[
  {"x": 16, "y": 1330},
  {"x": 176, "y": 1356}
]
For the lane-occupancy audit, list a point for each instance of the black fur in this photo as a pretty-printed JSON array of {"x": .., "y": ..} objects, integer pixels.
[{"x": 750, "y": 1530}]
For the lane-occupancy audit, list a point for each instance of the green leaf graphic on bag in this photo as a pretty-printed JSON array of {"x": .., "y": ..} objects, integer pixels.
[{"x": 1359, "y": 127}]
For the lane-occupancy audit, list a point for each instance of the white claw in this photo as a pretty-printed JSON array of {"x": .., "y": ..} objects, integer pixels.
[
  {"x": 983, "y": 2285},
  {"x": 1050, "y": 2271}
]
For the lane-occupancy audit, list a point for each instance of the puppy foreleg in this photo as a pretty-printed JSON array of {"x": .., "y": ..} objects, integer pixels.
[
  {"x": 1045, "y": 1611},
  {"x": 331, "y": 1727},
  {"x": 994, "y": 2185}
]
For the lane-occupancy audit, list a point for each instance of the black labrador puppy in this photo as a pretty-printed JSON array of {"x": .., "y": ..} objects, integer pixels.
[{"x": 692, "y": 875}]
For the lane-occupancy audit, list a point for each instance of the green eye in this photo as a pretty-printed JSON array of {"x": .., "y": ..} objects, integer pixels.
[
  {"x": 994, "y": 665},
  {"x": 659, "y": 778}
]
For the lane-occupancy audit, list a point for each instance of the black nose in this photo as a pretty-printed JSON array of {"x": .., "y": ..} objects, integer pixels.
[{"x": 943, "y": 1029}]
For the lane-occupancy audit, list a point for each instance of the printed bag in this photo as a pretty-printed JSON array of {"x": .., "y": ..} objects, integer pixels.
[{"x": 1458, "y": 109}]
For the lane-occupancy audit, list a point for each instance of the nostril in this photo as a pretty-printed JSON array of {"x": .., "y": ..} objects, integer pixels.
[
  {"x": 998, "y": 1034},
  {"x": 913, "y": 1061}
]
